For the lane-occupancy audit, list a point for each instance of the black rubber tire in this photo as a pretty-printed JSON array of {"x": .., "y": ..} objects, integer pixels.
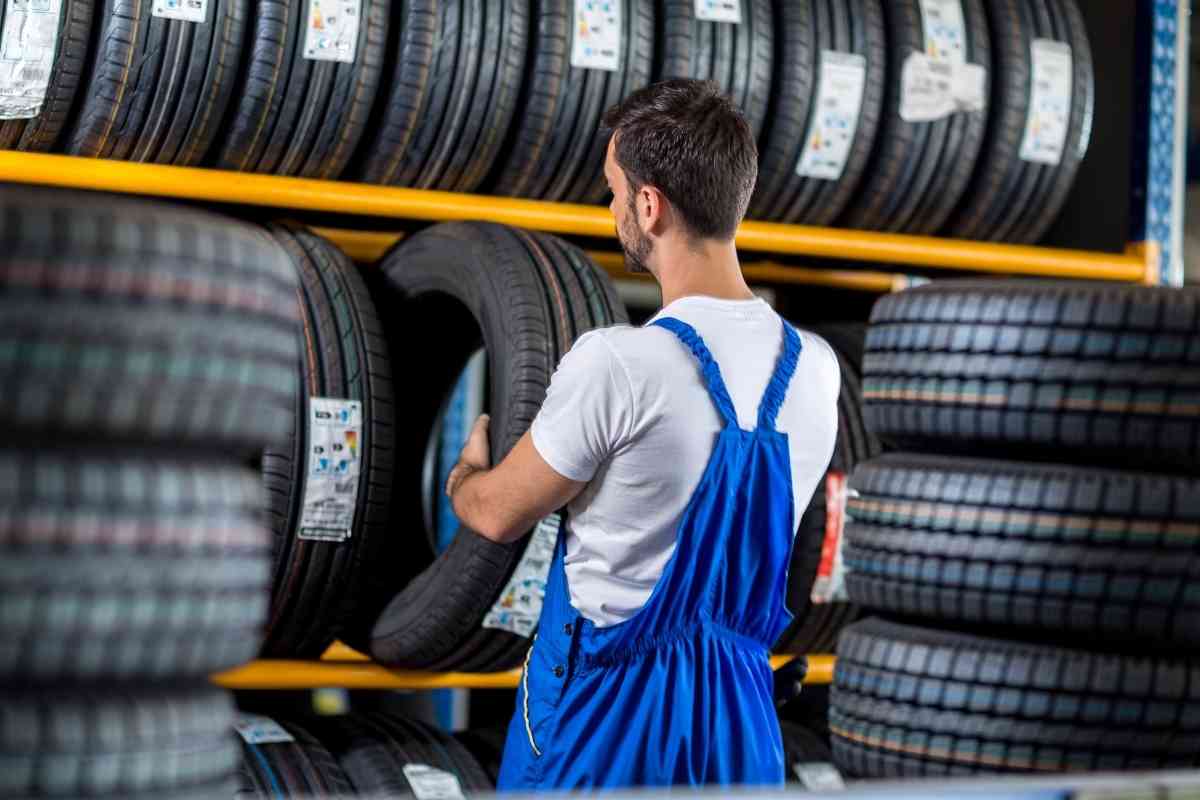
[
  {"x": 1069, "y": 551},
  {"x": 525, "y": 297},
  {"x": 487, "y": 746},
  {"x": 1010, "y": 199},
  {"x": 326, "y": 589},
  {"x": 909, "y": 701},
  {"x": 802, "y": 745},
  {"x": 1026, "y": 368},
  {"x": 739, "y": 58},
  {"x": 300, "y": 768},
  {"x": 556, "y": 147},
  {"x": 146, "y": 743},
  {"x": 919, "y": 171},
  {"x": 374, "y": 748},
  {"x": 41, "y": 133},
  {"x": 115, "y": 567},
  {"x": 804, "y": 30},
  {"x": 456, "y": 79},
  {"x": 294, "y": 115},
  {"x": 129, "y": 321}
]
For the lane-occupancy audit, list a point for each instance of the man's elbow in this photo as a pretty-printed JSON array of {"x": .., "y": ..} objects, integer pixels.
[{"x": 497, "y": 529}]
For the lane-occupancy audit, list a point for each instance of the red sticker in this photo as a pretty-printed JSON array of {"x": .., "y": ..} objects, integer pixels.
[{"x": 829, "y": 585}]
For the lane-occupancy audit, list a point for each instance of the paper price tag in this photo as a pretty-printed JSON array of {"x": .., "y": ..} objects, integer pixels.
[
  {"x": 186, "y": 10},
  {"x": 818, "y": 776},
  {"x": 945, "y": 31},
  {"x": 260, "y": 730},
  {"x": 932, "y": 89},
  {"x": 1050, "y": 87},
  {"x": 719, "y": 11},
  {"x": 519, "y": 607},
  {"x": 428, "y": 783},
  {"x": 830, "y": 583},
  {"x": 331, "y": 33},
  {"x": 840, "y": 84},
  {"x": 335, "y": 443},
  {"x": 27, "y": 45},
  {"x": 596, "y": 43}
]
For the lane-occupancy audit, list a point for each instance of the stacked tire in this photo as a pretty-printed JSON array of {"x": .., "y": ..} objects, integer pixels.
[
  {"x": 1059, "y": 597},
  {"x": 149, "y": 353}
]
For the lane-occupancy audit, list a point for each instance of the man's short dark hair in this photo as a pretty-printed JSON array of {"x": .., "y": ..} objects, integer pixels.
[{"x": 688, "y": 140}]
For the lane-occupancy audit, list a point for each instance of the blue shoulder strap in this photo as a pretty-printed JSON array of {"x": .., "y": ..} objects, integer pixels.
[
  {"x": 777, "y": 387},
  {"x": 708, "y": 366}
]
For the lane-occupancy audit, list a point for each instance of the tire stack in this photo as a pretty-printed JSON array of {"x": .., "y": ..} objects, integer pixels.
[
  {"x": 1061, "y": 597},
  {"x": 148, "y": 354},
  {"x": 372, "y": 754},
  {"x": 524, "y": 297}
]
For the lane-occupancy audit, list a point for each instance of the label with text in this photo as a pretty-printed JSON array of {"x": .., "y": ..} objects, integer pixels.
[
  {"x": 27, "y": 44},
  {"x": 186, "y": 10},
  {"x": 335, "y": 444},
  {"x": 841, "y": 80},
  {"x": 1050, "y": 86},
  {"x": 945, "y": 31},
  {"x": 331, "y": 33},
  {"x": 260, "y": 730},
  {"x": 596, "y": 43},
  {"x": 719, "y": 11},
  {"x": 519, "y": 607},
  {"x": 428, "y": 783},
  {"x": 933, "y": 88}
]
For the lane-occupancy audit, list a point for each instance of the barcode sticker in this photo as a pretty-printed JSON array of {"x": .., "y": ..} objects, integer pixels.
[
  {"x": 260, "y": 730},
  {"x": 830, "y": 583},
  {"x": 331, "y": 33},
  {"x": 840, "y": 84},
  {"x": 1050, "y": 86},
  {"x": 719, "y": 11},
  {"x": 185, "y": 10},
  {"x": 519, "y": 607},
  {"x": 596, "y": 43},
  {"x": 334, "y": 462},
  {"x": 27, "y": 45},
  {"x": 933, "y": 88},
  {"x": 428, "y": 783}
]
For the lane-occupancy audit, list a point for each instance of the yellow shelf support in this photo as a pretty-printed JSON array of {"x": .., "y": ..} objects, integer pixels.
[
  {"x": 343, "y": 667},
  {"x": 342, "y": 197}
]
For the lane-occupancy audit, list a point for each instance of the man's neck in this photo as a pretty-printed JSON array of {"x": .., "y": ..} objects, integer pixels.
[{"x": 711, "y": 270}]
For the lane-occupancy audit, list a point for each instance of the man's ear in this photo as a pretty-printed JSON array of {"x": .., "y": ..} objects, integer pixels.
[{"x": 652, "y": 208}]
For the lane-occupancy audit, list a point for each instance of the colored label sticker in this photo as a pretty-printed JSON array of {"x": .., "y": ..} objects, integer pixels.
[
  {"x": 597, "y": 40},
  {"x": 841, "y": 82},
  {"x": 260, "y": 730},
  {"x": 186, "y": 10},
  {"x": 428, "y": 783},
  {"x": 719, "y": 11},
  {"x": 944, "y": 29},
  {"x": 519, "y": 606},
  {"x": 830, "y": 583},
  {"x": 1050, "y": 86},
  {"x": 335, "y": 443},
  {"x": 27, "y": 45},
  {"x": 332, "y": 30}
]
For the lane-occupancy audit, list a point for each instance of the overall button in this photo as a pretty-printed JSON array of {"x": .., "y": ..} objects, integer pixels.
[
  {"x": 558, "y": 670},
  {"x": 568, "y": 629}
]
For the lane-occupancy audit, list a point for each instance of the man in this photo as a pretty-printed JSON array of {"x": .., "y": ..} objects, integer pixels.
[{"x": 682, "y": 489}]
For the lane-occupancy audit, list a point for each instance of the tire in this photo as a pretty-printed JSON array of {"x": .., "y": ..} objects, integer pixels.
[
  {"x": 158, "y": 88},
  {"x": 1011, "y": 199},
  {"x": 374, "y": 748},
  {"x": 1062, "y": 551},
  {"x": 466, "y": 281},
  {"x": 919, "y": 170},
  {"x": 556, "y": 147},
  {"x": 457, "y": 76},
  {"x": 326, "y": 589},
  {"x": 802, "y": 745},
  {"x": 805, "y": 29},
  {"x": 133, "y": 322},
  {"x": 116, "y": 567},
  {"x": 41, "y": 133},
  {"x": 487, "y": 746},
  {"x": 738, "y": 57},
  {"x": 300, "y": 768},
  {"x": 909, "y": 701},
  {"x": 298, "y": 116},
  {"x": 1024, "y": 369},
  {"x": 146, "y": 743}
]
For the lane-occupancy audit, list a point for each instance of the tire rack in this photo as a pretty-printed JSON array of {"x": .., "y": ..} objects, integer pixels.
[{"x": 342, "y": 667}]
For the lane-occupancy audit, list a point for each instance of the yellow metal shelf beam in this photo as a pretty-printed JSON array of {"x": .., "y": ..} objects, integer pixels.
[
  {"x": 418, "y": 204},
  {"x": 346, "y": 668}
]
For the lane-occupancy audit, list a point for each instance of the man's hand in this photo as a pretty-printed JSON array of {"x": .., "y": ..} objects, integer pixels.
[{"x": 475, "y": 455}]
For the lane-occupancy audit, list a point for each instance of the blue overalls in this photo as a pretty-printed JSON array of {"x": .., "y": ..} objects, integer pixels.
[{"x": 681, "y": 693}]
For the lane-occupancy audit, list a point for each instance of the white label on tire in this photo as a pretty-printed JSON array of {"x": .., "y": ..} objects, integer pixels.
[
  {"x": 945, "y": 31},
  {"x": 27, "y": 46},
  {"x": 934, "y": 88},
  {"x": 840, "y": 84},
  {"x": 596, "y": 41},
  {"x": 334, "y": 461},
  {"x": 332, "y": 30},
  {"x": 186, "y": 10},
  {"x": 1050, "y": 85},
  {"x": 719, "y": 11},
  {"x": 260, "y": 730},
  {"x": 818, "y": 776},
  {"x": 428, "y": 783},
  {"x": 519, "y": 606}
]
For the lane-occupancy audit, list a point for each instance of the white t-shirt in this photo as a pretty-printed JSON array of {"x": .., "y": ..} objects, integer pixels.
[{"x": 628, "y": 412}]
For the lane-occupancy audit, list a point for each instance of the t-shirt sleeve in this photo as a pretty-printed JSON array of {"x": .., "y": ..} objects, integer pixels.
[{"x": 588, "y": 412}]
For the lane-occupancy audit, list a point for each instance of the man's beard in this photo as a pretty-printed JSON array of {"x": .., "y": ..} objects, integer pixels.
[{"x": 637, "y": 245}]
